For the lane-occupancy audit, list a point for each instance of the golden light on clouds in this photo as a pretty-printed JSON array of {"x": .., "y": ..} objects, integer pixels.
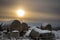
[{"x": 20, "y": 12}]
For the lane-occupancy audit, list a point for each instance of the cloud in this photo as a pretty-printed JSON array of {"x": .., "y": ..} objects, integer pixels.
[
  {"x": 48, "y": 6},
  {"x": 8, "y": 3},
  {"x": 46, "y": 9}
]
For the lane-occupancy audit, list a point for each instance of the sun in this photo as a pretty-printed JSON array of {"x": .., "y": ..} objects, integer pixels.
[{"x": 20, "y": 12}]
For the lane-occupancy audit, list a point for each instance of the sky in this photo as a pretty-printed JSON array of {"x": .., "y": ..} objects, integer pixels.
[{"x": 36, "y": 11}]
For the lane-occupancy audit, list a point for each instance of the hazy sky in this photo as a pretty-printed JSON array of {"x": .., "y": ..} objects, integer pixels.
[{"x": 37, "y": 11}]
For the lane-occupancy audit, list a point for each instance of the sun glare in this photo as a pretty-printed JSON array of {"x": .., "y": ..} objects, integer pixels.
[{"x": 20, "y": 13}]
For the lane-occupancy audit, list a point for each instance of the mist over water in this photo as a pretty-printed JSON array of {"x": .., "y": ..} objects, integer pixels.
[{"x": 39, "y": 24}]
